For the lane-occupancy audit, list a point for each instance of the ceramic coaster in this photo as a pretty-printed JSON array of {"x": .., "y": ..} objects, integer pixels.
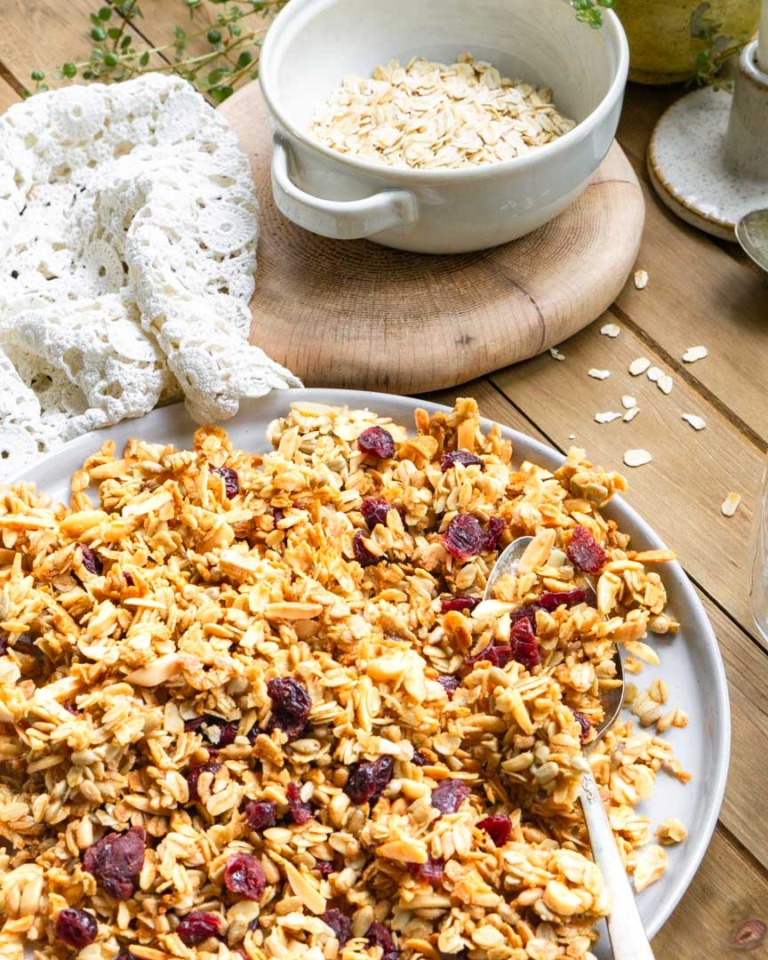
[{"x": 687, "y": 165}]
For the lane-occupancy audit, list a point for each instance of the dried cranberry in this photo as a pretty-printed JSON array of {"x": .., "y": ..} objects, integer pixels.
[
  {"x": 420, "y": 759},
  {"x": 197, "y": 927},
  {"x": 72, "y": 709},
  {"x": 90, "y": 560},
  {"x": 339, "y": 923},
  {"x": 525, "y": 647},
  {"x": 367, "y": 781},
  {"x": 431, "y": 871},
  {"x": 449, "y": 684},
  {"x": 464, "y": 537},
  {"x": 452, "y": 457},
  {"x": 231, "y": 481},
  {"x": 128, "y": 579},
  {"x": 449, "y": 796},
  {"x": 496, "y": 527},
  {"x": 244, "y": 875},
  {"x": 76, "y": 928},
  {"x": 585, "y": 725},
  {"x": 215, "y": 730},
  {"x": 260, "y": 814},
  {"x": 585, "y": 551},
  {"x": 278, "y": 514},
  {"x": 324, "y": 867},
  {"x": 362, "y": 554},
  {"x": 375, "y": 510},
  {"x": 569, "y": 598},
  {"x": 3, "y": 646},
  {"x": 377, "y": 442},
  {"x": 498, "y": 827},
  {"x": 497, "y": 654},
  {"x": 116, "y": 861},
  {"x": 459, "y": 603},
  {"x": 124, "y": 955},
  {"x": 195, "y": 773},
  {"x": 298, "y": 811},
  {"x": 379, "y": 936},
  {"x": 291, "y": 705}
]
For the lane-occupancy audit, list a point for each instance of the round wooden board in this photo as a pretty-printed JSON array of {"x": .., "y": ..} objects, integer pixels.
[{"x": 350, "y": 313}]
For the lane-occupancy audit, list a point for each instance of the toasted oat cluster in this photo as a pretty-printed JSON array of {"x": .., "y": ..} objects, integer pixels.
[
  {"x": 255, "y": 706},
  {"x": 435, "y": 115}
]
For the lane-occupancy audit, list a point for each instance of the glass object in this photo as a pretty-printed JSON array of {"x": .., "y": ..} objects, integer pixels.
[{"x": 758, "y": 588}]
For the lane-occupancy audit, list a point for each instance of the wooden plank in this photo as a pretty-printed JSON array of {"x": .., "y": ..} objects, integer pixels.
[
  {"x": 680, "y": 492},
  {"x": 727, "y": 890},
  {"x": 696, "y": 294},
  {"x": 43, "y": 34},
  {"x": 7, "y": 95},
  {"x": 745, "y": 663}
]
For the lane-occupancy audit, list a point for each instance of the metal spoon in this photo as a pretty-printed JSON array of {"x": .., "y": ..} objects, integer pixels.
[
  {"x": 625, "y": 928},
  {"x": 752, "y": 234}
]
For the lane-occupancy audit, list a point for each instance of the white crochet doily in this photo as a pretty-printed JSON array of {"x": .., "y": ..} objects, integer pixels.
[{"x": 128, "y": 228}]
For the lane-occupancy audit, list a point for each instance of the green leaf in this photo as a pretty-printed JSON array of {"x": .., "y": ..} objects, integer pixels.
[
  {"x": 87, "y": 75},
  {"x": 69, "y": 70},
  {"x": 104, "y": 14},
  {"x": 37, "y": 75},
  {"x": 244, "y": 60},
  {"x": 179, "y": 33},
  {"x": 215, "y": 76},
  {"x": 144, "y": 59},
  {"x": 214, "y": 36},
  {"x": 220, "y": 94},
  {"x": 98, "y": 34},
  {"x": 113, "y": 33},
  {"x": 94, "y": 18},
  {"x": 110, "y": 60},
  {"x": 126, "y": 42}
]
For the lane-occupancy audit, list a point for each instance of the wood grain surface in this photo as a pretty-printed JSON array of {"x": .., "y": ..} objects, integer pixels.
[
  {"x": 700, "y": 291},
  {"x": 355, "y": 314}
]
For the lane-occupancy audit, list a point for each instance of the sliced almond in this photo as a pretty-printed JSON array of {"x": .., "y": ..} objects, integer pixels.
[
  {"x": 698, "y": 423},
  {"x": 692, "y": 354},
  {"x": 537, "y": 552},
  {"x": 309, "y": 895},
  {"x": 641, "y": 279},
  {"x": 731, "y": 504},
  {"x": 555, "y": 354},
  {"x": 287, "y": 610},
  {"x": 607, "y": 417},
  {"x": 610, "y": 330},
  {"x": 157, "y": 672},
  {"x": 150, "y": 505},
  {"x": 636, "y": 458},
  {"x": 630, "y": 415},
  {"x": 655, "y": 374},
  {"x": 628, "y": 401},
  {"x": 665, "y": 384},
  {"x": 639, "y": 366},
  {"x": 599, "y": 374},
  {"x": 404, "y": 851}
]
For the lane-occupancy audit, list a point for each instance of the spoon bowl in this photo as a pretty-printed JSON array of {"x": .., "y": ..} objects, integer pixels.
[{"x": 752, "y": 234}]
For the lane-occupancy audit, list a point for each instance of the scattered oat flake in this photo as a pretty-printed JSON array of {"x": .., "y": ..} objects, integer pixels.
[
  {"x": 655, "y": 374},
  {"x": 599, "y": 374},
  {"x": 641, "y": 279},
  {"x": 639, "y": 366},
  {"x": 555, "y": 354},
  {"x": 731, "y": 504},
  {"x": 628, "y": 402},
  {"x": 607, "y": 417},
  {"x": 610, "y": 330},
  {"x": 692, "y": 354},
  {"x": 698, "y": 423},
  {"x": 636, "y": 458},
  {"x": 571, "y": 436},
  {"x": 630, "y": 415},
  {"x": 665, "y": 384}
]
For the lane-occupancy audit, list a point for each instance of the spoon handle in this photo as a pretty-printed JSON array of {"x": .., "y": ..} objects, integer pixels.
[{"x": 625, "y": 928}]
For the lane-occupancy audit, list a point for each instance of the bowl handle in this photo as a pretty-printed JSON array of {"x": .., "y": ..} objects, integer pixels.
[{"x": 338, "y": 219}]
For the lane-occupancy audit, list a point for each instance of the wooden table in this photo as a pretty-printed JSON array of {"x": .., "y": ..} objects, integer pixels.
[{"x": 700, "y": 292}]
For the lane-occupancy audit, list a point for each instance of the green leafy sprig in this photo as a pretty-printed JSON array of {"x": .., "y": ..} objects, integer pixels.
[
  {"x": 230, "y": 41},
  {"x": 589, "y": 11}
]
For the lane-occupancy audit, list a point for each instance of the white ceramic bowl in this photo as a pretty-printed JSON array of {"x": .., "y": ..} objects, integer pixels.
[{"x": 314, "y": 43}]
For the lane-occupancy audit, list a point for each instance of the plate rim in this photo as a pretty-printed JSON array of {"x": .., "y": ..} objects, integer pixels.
[{"x": 679, "y": 883}]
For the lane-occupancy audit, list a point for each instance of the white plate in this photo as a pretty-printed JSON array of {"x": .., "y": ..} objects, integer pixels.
[{"x": 690, "y": 662}]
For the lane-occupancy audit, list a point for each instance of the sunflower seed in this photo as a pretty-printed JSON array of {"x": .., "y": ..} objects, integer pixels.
[
  {"x": 641, "y": 279},
  {"x": 664, "y": 383},
  {"x": 610, "y": 330},
  {"x": 655, "y": 374},
  {"x": 698, "y": 423},
  {"x": 639, "y": 366},
  {"x": 692, "y": 354},
  {"x": 630, "y": 415},
  {"x": 730, "y": 504},
  {"x": 628, "y": 401}
]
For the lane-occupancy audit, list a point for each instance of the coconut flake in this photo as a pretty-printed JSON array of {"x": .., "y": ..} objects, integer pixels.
[
  {"x": 599, "y": 374},
  {"x": 628, "y": 401},
  {"x": 555, "y": 354},
  {"x": 636, "y": 458},
  {"x": 607, "y": 417},
  {"x": 692, "y": 354},
  {"x": 630, "y": 415},
  {"x": 639, "y": 366},
  {"x": 698, "y": 423},
  {"x": 665, "y": 384},
  {"x": 610, "y": 330},
  {"x": 641, "y": 279},
  {"x": 655, "y": 374}
]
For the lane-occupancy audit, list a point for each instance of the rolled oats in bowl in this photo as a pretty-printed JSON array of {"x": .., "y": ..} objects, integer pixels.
[
  {"x": 433, "y": 115},
  {"x": 253, "y": 706}
]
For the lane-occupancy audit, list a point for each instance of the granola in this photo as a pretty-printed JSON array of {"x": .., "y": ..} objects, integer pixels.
[
  {"x": 253, "y": 706},
  {"x": 435, "y": 115}
]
